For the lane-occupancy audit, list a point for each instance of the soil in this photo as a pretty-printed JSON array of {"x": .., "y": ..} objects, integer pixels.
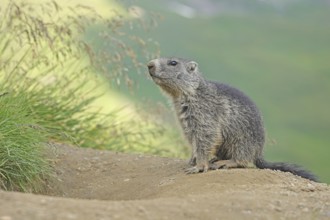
[{"x": 94, "y": 184}]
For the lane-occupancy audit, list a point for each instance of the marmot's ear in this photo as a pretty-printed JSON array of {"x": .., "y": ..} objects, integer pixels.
[{"x": 192, "y": 67}]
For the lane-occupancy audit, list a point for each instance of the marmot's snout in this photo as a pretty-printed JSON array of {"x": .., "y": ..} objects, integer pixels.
[{"x": 151, "y": 67}]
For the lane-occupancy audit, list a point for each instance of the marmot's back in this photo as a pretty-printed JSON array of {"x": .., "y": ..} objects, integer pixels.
[{"x": 245, "y": 115}]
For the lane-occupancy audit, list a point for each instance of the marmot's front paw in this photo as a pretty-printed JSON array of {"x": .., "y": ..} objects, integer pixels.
[{"x": 197, "y": 169}]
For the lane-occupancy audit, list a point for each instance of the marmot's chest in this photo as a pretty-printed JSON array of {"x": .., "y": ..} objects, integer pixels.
[
  {"x": 185, "y": 109},
  {"x": 192, "y": 114},
  {"x": 187, "y": 117}
]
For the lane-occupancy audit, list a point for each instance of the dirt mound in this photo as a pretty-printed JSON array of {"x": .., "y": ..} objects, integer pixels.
[{"x": 91, "y": 184}]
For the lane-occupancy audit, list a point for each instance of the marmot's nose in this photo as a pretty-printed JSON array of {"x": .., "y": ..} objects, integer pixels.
[{"x": 151, "y": 66}]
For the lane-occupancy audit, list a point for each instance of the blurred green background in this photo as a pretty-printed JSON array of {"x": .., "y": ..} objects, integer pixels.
[{"x": 277, "y": 52}]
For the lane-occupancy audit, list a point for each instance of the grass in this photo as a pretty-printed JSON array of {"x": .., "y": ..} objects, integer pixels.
[{"x": 22, "y": 140}]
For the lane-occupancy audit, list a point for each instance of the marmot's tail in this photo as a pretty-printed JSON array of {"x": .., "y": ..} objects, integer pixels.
[{"x": 292, "y": 168}]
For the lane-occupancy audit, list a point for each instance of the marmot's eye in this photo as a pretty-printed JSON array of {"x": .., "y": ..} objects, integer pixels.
[{"x": 172, "y": 63}]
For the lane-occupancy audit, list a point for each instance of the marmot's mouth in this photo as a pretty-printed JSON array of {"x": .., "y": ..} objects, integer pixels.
[
  {"x": 152, "y": 73},
  {"x": 154, "y": 76},
  {"x": 157, "y": 77}
]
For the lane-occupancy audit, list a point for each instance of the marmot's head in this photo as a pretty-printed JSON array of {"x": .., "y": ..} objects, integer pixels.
[{"x": 175, "y": 75}]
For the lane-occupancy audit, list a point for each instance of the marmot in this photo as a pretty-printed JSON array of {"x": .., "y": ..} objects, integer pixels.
[{"x": 217, "y": 120}]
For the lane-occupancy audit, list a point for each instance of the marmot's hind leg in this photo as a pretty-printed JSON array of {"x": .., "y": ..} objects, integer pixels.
[
  {"x": 214, "y": 159},
  {"x": 227, "y": 164}
]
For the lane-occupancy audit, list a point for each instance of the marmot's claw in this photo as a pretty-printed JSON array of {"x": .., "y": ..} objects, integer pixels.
[
  {"x": 213, "y": 167},
  {"x": 192, "y": 170},
  {"x": 197, "y": 169}
]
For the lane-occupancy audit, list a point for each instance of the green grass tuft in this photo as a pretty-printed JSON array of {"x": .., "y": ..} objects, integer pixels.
[{"x": 22, "y": 141}]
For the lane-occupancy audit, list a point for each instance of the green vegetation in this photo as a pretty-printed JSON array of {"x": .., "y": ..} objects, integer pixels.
[
  {"x": 51, "y": 78},
  {"x": 21, "y": 145}
]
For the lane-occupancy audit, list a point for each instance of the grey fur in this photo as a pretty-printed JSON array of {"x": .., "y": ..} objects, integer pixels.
[{"x": 217, "y": 120}]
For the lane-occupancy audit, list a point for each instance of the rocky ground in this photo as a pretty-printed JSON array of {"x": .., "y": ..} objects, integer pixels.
[{"x": 92, "y": 184}]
